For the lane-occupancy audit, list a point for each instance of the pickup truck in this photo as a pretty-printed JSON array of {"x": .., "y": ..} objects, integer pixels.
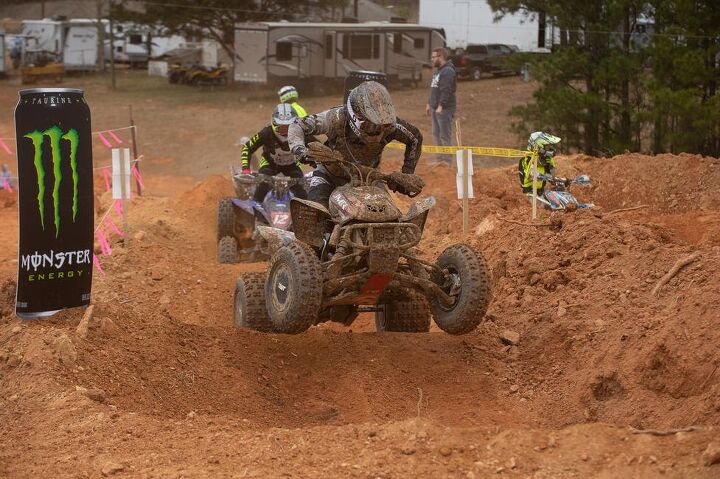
[{"x": 475, "y": 60}]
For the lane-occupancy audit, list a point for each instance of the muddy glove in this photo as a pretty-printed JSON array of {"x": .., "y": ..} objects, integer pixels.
[
  {"x": 301, "y": 153},
  {"x": 409, "y": 185}
]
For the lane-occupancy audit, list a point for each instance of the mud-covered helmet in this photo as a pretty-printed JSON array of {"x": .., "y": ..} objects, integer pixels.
[
  {"x": 370, "y": 111},
  {"x": 282, "y": 117},
  {"x": 288, "y": 94},
  {"x": 544, "y": 143}
]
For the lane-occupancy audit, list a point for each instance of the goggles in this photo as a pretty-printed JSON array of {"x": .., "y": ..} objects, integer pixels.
[{"x": 362, "y": 126}]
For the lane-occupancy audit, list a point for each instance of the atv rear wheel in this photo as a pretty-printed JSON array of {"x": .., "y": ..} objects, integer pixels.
[
  {"x": 249, "y": 309},
  {"x": 405, "y": 313},
  {"x": 468, "y": 282},
  {"x": 227, "y": 250},
  {"x": 294, "y": 288},
  {"x": 225, "y": 218}
]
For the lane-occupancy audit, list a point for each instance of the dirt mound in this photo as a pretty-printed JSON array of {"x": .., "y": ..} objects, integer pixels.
[{"x": 574, "y": 335}]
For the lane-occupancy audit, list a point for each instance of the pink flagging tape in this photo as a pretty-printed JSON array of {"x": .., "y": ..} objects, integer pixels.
[
  {"x": 6, "y": 184},
  {"x": 106, "y": 175},
  {"x": 136, "y": 174},
  {"x": 115, "y": 137},
  {"x": 96, "y": 263},
  {"x": 104, "y": 243},
  {"x": 115, "y": 228},
  {"x": 104, "y": 140},
  {"x": 4, "y": 146},
  {"x": 118, "y": 208}
]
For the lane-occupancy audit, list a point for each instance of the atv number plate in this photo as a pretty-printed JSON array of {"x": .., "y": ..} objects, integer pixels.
[{"x": 280, "y": 219}]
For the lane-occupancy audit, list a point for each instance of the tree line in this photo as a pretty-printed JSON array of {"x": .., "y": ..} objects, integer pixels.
[{"x": 604, "y": 91}]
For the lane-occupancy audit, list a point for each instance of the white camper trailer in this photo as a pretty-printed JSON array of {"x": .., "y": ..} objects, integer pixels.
[
  {"x": 473, "y": 21},
  {"x": 72, "y": 41},
  {"x": 280, "y": 52}
]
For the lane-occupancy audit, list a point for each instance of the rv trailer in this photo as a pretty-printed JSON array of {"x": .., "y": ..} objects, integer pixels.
[{"x": 280, "y": 52}]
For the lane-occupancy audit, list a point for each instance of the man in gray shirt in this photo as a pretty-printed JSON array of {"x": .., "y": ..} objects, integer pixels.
[{"x": 442, "y": 103}]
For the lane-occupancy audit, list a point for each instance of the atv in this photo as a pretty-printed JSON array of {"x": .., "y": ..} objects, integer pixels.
[
  {"x": 558, "y": 197},
  {"x": 361, "y": 255},
  {"x": 238, "y": 218}
]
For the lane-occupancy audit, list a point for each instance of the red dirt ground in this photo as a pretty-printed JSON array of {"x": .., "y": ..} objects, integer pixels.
[{"x": 163, "y": 385}]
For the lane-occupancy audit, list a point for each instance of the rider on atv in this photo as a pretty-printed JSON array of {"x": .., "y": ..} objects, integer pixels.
[
  {"x": 276, "y": 157},
  {"x": 359, "y": 130},
  {"x": 542, "y": 144}
]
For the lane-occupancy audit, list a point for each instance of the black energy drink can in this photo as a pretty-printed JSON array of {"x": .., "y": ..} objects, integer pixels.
[
  {"x": 356, "y": 77},
  {"x": 56, "y": 216}
]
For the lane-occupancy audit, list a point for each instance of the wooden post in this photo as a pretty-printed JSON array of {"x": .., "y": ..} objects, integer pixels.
[
  {"x": 112, "y": 45},
  {"x": 534, "y": 185},
  {"x": 134, "y": 150},
  {"x": 466, "y": 189}
]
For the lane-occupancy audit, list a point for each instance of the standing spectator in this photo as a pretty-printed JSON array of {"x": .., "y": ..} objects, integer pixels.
[{"x": 442, "y": 103}]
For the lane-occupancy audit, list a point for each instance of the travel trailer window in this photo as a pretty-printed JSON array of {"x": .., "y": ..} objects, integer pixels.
[
  {"x": 361, "y": 47},
  {"x": 283, "y": 51},
  {"x": 328, "y": 47},
  {"x": 419, "y": 43},
  {"x": 135, "y": 39}
]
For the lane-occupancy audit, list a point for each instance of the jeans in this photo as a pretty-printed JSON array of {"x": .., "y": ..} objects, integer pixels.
[{"x": 442, "y": 131}]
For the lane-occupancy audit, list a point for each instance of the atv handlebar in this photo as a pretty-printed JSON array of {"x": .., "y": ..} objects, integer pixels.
[{"x": 408, "y": 184}]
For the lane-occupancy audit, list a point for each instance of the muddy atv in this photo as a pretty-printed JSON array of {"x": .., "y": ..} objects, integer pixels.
[{"x": 361, "y": 255}]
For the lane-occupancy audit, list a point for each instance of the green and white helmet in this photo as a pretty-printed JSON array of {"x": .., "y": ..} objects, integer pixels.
[
  {"x": 288, "y": 93},
  {"x": 543, "y": 142}
]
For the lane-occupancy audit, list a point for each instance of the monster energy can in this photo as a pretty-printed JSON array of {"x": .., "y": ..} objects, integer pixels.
[{"x": 55, "y": 171}]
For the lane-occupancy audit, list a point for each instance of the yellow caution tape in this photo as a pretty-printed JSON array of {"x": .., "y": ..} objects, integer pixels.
[{"x": 477, "y": 150}]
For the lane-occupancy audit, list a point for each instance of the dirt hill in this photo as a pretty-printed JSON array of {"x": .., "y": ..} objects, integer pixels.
[{"x": 162, "y": 384}]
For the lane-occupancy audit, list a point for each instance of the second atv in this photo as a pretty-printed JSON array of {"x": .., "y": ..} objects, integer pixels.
[
  {"x": 361, "y": 255},
  {"x": 238, "y": 218}
]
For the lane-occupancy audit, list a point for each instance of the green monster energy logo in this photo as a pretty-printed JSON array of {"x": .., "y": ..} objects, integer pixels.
[{"x": 55, "y": 135}]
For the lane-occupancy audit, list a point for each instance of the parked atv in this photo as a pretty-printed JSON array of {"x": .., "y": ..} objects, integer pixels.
[
  {"x": 361, "y": 255},
  {"x": 239, "y": 217},
  {"x": 558, "y": 197}
]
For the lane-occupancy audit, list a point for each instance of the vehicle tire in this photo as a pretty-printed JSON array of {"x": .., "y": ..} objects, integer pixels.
[
  {"x": 225, "y": 218},
  {"x": 294, "y": 288},
  {"x": 227, "y": 250},
  {"x": 407, "y": 313},
  {"x": 471, "y": 291},
  {"x": 249, "y": 309},
  {"x": 476, "y": 74}
]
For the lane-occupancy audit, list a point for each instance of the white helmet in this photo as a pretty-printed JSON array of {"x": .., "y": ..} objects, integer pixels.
[
  {"x": 282, "y": 117},
  {"x": 287, "y": 94}
]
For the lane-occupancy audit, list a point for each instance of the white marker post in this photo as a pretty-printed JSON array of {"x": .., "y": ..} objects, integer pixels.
[
  {"x": 121, "y": 182},
  {"x": 463, "y": 158}
]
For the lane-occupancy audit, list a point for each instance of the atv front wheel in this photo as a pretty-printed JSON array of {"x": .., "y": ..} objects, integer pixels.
[
  {"x": 406, "y": 313},
  {"x": 468, "y": 283},
  {"x": 227, "y": 250},
  {"x": 225, "y": 218},
  {"x": 249, "y": 309},
  {"x": 294, "y": 288}
]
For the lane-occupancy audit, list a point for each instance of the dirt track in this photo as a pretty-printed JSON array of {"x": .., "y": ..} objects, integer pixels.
[{"x": 164, "y": 386}]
